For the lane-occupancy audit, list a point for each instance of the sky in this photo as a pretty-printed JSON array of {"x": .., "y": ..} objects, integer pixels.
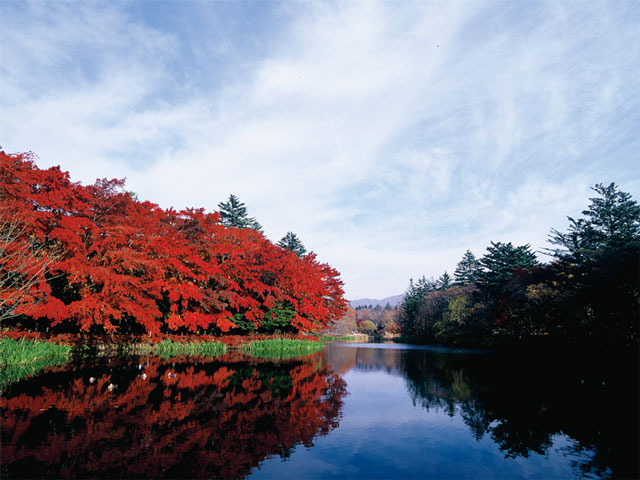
[{"x": 390, "y": 136}]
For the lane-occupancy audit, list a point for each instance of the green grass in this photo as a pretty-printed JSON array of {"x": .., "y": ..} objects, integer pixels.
[
  {"x": 23, "y": 358},
  {"x": 281, "y": 348},
  {"x": 167, "y": 349}
]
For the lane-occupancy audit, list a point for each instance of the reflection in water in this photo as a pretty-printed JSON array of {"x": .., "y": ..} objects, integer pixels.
[
  {"x": 410, "y": 412},
  {"x": 523, "y": 405},
  {"x": 166, "y": 418}
]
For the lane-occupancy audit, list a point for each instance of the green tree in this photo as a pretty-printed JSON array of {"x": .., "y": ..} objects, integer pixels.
[
  {"x": 598, "y": 265},
  {"x": 501, "y": 261},
  {"x": 367, "y": 326},
  {"x": 233, "y": 213},
  {"x": 411, "y": 303},
  {"x": 452, "y": 326},
  {"x": 432, "y": 306},
  {"x": 467, "y": 269},
  {"x": 444, "y": 281},
  {"x": 611, "y": 221},
  {"x": 292, "y": 243}
]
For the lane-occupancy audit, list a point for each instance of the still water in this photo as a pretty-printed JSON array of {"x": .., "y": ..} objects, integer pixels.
[{"x": 350, "y": 411}]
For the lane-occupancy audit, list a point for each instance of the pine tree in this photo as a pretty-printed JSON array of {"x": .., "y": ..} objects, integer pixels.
[
  {"x": 467, "y": 269},
  {"x": 444, "y": 281},
  {"x": 412, "y": 301},
  {"x": 611, "y": 222},
  {"x": 598, "y": 264},
  {"x": 233, "y": 213},
  {"x": 292, "y": 243},
  {"x": 501, "y": 260}
]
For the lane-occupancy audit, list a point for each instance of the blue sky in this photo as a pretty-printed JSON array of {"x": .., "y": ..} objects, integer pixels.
[{"x": 390, "y": 136}]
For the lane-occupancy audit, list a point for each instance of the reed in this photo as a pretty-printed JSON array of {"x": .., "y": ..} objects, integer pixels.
[
  {"x": 23, "y": 358},
  {"x": 168, "y": 348},
  {"x": 281, "y": 348},
  {"x": 329, "y": 338}
]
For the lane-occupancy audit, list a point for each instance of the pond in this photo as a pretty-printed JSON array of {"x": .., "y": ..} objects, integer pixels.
[{"x": 352, "y": 410}]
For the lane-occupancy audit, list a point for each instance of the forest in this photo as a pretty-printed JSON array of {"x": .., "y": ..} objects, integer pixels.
[
  {"x": 95, "y": 259},
  {"x": 587, "y": 294}
]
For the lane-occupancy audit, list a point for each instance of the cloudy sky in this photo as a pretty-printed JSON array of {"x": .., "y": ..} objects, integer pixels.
[{"x": 390, "y": 136}]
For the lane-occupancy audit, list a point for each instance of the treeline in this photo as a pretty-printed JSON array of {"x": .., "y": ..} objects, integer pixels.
[
  {"x": 377, "y": 320},
  {"x": 588, "y": 294},
  {"x": 95, "y": 258}
]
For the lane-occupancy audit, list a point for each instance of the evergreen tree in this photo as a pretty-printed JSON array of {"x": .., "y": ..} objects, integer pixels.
[
  {"x": 467, "y": 269},
  {"x": 412, "y": 301},
  {"x": 612, "y": 221},
  {"x": 444, "y": 281},
  {"x": 233, "y": 213},
  {"x": 292, "y": 243},
  {"x": 598, "y": 267},
  {"x": 501, "y": 260}
]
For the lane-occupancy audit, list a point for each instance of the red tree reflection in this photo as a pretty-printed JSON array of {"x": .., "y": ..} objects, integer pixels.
[{"x": 167, "y": 418}]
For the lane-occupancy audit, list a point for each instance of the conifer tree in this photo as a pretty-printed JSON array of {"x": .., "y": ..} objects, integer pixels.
[
  {"x": 612, "y": 221},
  {"x": 292, "y": 243},
  {"x": 500, "y": 262},
  {"x": 233, "y": 213},
  {"x": 444, "y": 281},
  {"x": 467, "y": 269},
  {"x": 598, "y": 265},
  {"x": 412, "y": 301}
]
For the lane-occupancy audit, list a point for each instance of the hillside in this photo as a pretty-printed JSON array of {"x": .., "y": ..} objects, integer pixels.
[{"x": 393, "y": 301}]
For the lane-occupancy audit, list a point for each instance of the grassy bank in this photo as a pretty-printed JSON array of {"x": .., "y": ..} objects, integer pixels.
[
  {"x": 22, "y": 358},
  {"x": 280, "y": 348},
  {"x": 168, "y": 348}
]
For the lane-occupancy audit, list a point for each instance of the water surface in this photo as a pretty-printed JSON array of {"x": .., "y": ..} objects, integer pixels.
[{"x": 368, "y": 411}]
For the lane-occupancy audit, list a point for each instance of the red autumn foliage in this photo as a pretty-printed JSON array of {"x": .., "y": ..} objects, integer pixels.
[
  {"x": 125, "y": 266},
  {"x": 164, "y": 418}
]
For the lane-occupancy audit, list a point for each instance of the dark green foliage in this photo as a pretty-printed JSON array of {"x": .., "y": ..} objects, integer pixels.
[
  {"x": 432, "y": 307},
  {"x": 449, "y": 315},
  {"x": 278, "y": 319},
  {"x": 292, "y": 243},
  {"x": 411, "y": 304},
  {"x": 364, "y": 307},
  {"x": 589, "y": 296},
  {"x": 501, "y": 261},
  {"x": 598, "y": 263},
  {"x": 611, "y": 222},
  {"x": 233, "y": 213},
  {"x": 467, "y": 269},
  {"x": 243, "y": 325},
  {"x": 275, "y": 320},
  {"x": 444, "y": 281}
]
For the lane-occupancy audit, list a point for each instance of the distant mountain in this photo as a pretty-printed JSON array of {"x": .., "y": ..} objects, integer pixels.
[{"x": 393, "y": 301}]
